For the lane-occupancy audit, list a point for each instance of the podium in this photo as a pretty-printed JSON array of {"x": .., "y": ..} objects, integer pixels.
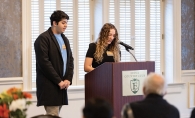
[{"x": 106, "y": 82}]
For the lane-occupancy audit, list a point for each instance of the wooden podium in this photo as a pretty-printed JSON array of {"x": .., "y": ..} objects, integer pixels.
[{"x": 106, "y": 82}]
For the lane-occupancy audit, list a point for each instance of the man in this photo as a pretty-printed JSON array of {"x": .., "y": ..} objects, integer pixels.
[
  {"x": 97, "y": 108},
  {"x": 153, "y": 106},
  {"x": 54, "y": 65}
]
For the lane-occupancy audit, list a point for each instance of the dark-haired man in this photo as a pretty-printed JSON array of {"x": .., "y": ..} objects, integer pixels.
[{"x": 54, "y": 65}]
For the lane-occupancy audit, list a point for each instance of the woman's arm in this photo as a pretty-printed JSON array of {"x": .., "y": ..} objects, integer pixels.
[{"x": 88, "y": 64}]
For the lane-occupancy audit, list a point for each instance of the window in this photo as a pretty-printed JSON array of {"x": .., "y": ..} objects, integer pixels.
[
  {"x": 78, "y": 30},
  {"x": 139, "y": 25}
]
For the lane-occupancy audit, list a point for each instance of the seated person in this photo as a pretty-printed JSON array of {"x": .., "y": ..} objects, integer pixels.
[
  {"x": 97, "y": 108},
  {"x": 153, "y": 106},
  {"x": 193, "y": 113},
  {"x": 105, "y": 49},
  {"x": 45, "y": 116}
]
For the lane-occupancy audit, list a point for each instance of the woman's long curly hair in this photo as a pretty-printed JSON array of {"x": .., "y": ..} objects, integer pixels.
[{"x": 102, "y": 46}]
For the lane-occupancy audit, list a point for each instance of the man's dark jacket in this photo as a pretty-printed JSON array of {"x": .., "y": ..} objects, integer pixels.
[
  {"x": 154, "y": 106},
  {"x": 49, "y": 68},
  {"x": 193, "y": 113}
]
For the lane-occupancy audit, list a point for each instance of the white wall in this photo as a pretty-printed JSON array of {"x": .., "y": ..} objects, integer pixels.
[
  {"x": 73, "y": 110},
  {"x": 75, "y": 98},
  {"x": 178, "y": 94}
]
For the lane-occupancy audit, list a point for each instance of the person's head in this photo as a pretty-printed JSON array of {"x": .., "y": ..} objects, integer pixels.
[
  {"x": 97, "y": 108},
  {"x": 108, "y": 34},
  {"x": 45, "y": 116},
  {"x": 154, "y": 83},
  {"x": 59, "y": 20},
  {"x": 107, "y": 40}
]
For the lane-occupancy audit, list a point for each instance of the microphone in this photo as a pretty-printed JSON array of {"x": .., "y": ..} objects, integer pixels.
[{"x": 125, "y": 45}]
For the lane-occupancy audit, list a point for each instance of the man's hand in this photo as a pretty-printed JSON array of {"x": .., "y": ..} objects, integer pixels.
[
  {"x": 67, "y": 84},
  {"x": 62, "y": 85}
]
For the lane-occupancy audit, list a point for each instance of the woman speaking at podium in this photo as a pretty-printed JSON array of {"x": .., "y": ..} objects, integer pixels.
[{"x": 105, "y": 49}]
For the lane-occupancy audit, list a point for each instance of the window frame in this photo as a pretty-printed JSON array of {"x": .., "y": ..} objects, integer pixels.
[{"x": 26, "y": 45}]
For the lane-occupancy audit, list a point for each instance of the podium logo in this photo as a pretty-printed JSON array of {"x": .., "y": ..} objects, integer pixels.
[{"x": 134, "y": 85}]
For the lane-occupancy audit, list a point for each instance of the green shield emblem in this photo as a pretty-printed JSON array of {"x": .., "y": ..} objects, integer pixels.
[{"x": 134, "y": 85}]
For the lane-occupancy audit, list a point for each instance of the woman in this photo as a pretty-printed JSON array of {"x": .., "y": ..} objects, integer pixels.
[{"x": 105, "y": 49}]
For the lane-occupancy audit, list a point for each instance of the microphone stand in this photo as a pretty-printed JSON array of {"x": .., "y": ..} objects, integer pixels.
[{"x": 131, "y": 53}]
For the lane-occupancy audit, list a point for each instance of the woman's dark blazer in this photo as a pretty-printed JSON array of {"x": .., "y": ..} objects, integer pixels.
[{"x": 49, "y": 69}]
